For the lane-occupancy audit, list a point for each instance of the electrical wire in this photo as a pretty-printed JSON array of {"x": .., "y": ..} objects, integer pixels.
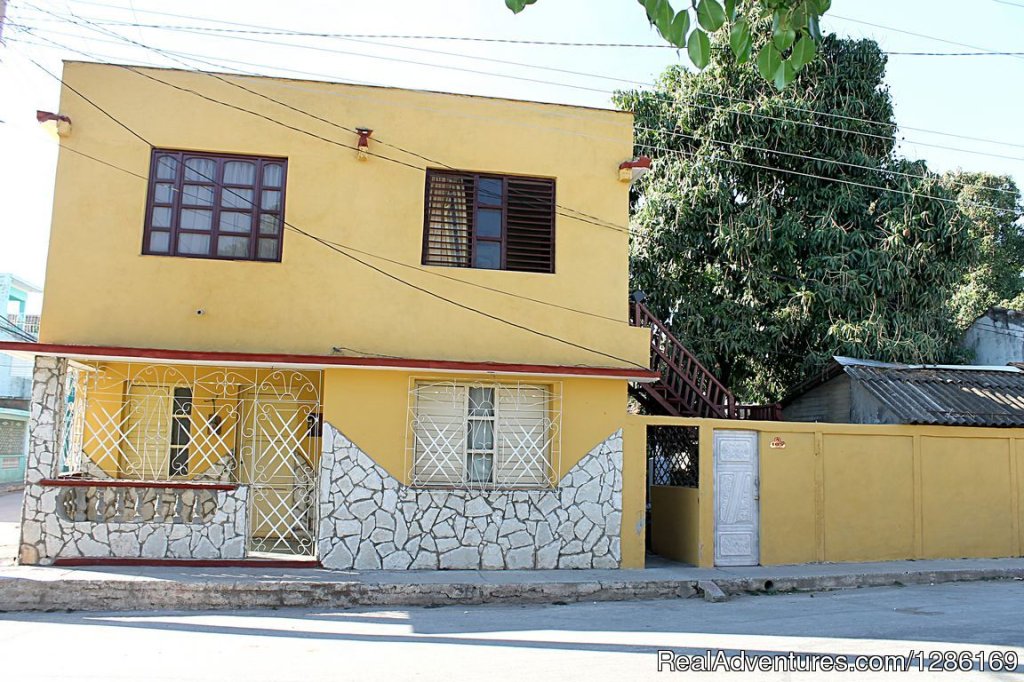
[
  {"x": 954, "y": 202},
  {"x": 920, "y": 35},
  {"x": 594, "y": 219},
  {"x": 586, "y": 217},
  {"x": 363, "y": 352},
  {"x": 601, "y": 76},
  {"x": 341, "y": 251},
  {"x": 265, "y": 30},
  {"x": 13, "y": 329}
]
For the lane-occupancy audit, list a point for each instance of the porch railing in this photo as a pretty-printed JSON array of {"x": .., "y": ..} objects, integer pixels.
[{"x": 27, "y": 323}]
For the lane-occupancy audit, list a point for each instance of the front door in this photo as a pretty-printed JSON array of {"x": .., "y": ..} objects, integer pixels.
[
  {"x": 276, "y": 464},
  {"x": 736, "y": 498}
]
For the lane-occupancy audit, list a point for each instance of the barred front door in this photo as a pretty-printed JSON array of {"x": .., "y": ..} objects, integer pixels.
[{"x": 277, "y": 462}]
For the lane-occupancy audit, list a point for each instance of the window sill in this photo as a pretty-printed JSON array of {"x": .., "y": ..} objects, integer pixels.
[
  {"x": 496, "y": 270},
  {"x": 499, "y": 488}
]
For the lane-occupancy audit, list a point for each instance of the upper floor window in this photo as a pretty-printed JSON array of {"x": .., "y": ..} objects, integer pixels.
[
  {"x": 215, "y": 206},
  {"x": 492, "y": 222}
]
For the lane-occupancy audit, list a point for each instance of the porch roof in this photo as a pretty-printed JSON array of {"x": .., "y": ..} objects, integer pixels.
[{"x": 163, "y": 355}]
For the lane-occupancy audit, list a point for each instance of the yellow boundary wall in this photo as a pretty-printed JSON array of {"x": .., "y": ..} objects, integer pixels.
[{"x": 855, "y": 492}]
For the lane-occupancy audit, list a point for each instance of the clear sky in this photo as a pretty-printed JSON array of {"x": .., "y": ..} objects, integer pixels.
[{"x": 976, "y": 96}]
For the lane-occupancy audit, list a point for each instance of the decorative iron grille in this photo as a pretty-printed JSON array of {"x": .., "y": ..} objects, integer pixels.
[
  {"x": 258, "y": 427},
  {"x": 672, "y": 455},
  {"x": 484, "y": 435}
]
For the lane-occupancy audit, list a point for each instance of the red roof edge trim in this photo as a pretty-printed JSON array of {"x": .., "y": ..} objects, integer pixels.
[{"x": 323, "y": 361}]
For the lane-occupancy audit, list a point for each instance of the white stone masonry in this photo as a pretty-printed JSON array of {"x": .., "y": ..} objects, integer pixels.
[
  {"x": 48, "y": 533},
  {"x": 369, "y": 520}
]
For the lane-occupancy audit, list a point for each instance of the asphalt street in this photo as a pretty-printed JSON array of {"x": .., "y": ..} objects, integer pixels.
[{"x": 590, "y": 641}]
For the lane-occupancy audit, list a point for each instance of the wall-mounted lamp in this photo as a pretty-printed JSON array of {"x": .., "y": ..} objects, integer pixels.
[
  {"x": 364, "y": 142},
  {"x": 630, "y": 171},
  {"x": 63, "y": 122}
]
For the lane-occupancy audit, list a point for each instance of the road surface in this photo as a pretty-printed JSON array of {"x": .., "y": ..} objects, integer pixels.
[{"x": 592, "y": 642}]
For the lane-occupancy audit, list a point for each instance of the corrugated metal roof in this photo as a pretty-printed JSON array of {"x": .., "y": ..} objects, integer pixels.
[{"x": 959, "y": 395}]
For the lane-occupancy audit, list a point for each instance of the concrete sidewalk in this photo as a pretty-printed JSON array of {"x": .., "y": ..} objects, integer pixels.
[{"x": 140, "y": 588}]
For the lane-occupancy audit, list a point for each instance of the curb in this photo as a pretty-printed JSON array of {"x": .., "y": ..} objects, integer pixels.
[
  {"x": 22, "y": 594},
  {"x": 824, "y": 583},
  {"x": 19, "y": 594}
]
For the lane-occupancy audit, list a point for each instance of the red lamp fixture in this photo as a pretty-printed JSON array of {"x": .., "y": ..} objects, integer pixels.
[{"x": 629, "y": 171}]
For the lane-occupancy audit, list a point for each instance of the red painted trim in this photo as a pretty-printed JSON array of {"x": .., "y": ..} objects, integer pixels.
[
  {"x": 188, "y": 563},
  {"x": 44, "y": 116},
  {"x": 641, "y": 162},
  {"x": 125, "y": 483},
  {"x": 322, "y": 360}
]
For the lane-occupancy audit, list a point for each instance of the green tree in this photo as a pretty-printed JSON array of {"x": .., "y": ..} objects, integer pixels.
[
  {"x": 773, "y": 237},
  {"x": 789, "y": 31},
  {"x": 992, "y": 205}
]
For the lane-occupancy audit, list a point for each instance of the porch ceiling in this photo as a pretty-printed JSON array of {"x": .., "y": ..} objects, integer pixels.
[{"x": 280, "y": 360}]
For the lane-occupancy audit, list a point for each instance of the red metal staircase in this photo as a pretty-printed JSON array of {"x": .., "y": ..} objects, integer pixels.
[{"x": 687, "y": 388}]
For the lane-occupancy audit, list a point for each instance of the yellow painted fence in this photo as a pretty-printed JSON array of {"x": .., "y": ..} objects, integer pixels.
[{"x": 853, "y": 492}]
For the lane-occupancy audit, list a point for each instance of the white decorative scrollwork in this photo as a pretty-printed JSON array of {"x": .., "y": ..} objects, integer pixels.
[{"x": 162, "y": 422}]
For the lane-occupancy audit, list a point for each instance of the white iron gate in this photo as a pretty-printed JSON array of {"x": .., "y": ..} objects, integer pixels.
[{"x": 157, "y": 422}]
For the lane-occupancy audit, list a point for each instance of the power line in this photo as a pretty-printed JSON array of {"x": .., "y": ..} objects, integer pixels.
[
  {"x": 916, "y": 35},
  {"x": 254, "y": 29},
  {"x": 589, "y": 218},
  {"x": 331, "y": 246},
  {"x": 362, "y": 352},
  {"x": 830, "y": 179},
  {"x": 609, "y": 226},
  {"x": 11, "y": 328},
  {"x": 580, "y": 73},
  {"x": 594, "y": 218},
  {"x": 957, "y": 54}
]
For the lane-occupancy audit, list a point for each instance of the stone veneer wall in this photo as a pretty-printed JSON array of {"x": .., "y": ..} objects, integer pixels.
[
  {"x": 46, "y": 534},
  {"x": 369, "y": 520}
]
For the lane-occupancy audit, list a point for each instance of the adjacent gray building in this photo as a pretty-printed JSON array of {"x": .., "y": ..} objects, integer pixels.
[
  {"x": 852, "y": 391},
  {"x": 997, "y": 337}
]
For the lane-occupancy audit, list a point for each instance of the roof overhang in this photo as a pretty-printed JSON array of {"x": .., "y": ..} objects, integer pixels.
[
  {"x": 235, "y": 359},
  {"x": 25, "y": 285}
]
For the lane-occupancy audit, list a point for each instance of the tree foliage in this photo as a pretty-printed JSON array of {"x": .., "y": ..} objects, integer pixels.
[
  {"x": 789, "y": 31},
  {"x": 992, "y": 205},
  {"x": 773, "y": 237}
]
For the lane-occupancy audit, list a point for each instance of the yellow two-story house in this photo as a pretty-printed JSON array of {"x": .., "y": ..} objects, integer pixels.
[{"x": 353, "y": 326}]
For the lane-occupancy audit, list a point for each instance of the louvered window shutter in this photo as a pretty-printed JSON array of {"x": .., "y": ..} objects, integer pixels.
[
  {"x": 524, "y": 435},
  {"x": 530, "y": 225},
  {"x": 489, "y": 221},
  {"x": 439, "y": 430}
]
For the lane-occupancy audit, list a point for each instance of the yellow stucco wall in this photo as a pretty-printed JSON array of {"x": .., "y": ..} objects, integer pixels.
[
  {"x": 371, "y": 407},
  {"x": 101, "y": 291},
  {"x": 675, "y": 523},
  {"x": 851, "y": 492}
]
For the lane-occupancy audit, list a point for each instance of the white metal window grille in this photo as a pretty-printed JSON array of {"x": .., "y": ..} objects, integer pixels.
[
  {"x": 155, "y": 422},
  {"x": 484, "y": 435}
]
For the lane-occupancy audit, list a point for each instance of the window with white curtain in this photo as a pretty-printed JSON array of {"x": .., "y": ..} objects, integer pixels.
[
  {"x": 202, "y": 205},
  {"x": 483, "y": 434}
]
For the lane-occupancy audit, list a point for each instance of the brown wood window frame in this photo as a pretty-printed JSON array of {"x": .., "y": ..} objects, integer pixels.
[
  {"x": 175, "y": 205},
  {"x": 473, "y": 210}
]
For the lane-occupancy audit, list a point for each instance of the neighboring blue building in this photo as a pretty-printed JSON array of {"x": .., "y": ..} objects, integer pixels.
[{"x": 16, "y": 324}]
